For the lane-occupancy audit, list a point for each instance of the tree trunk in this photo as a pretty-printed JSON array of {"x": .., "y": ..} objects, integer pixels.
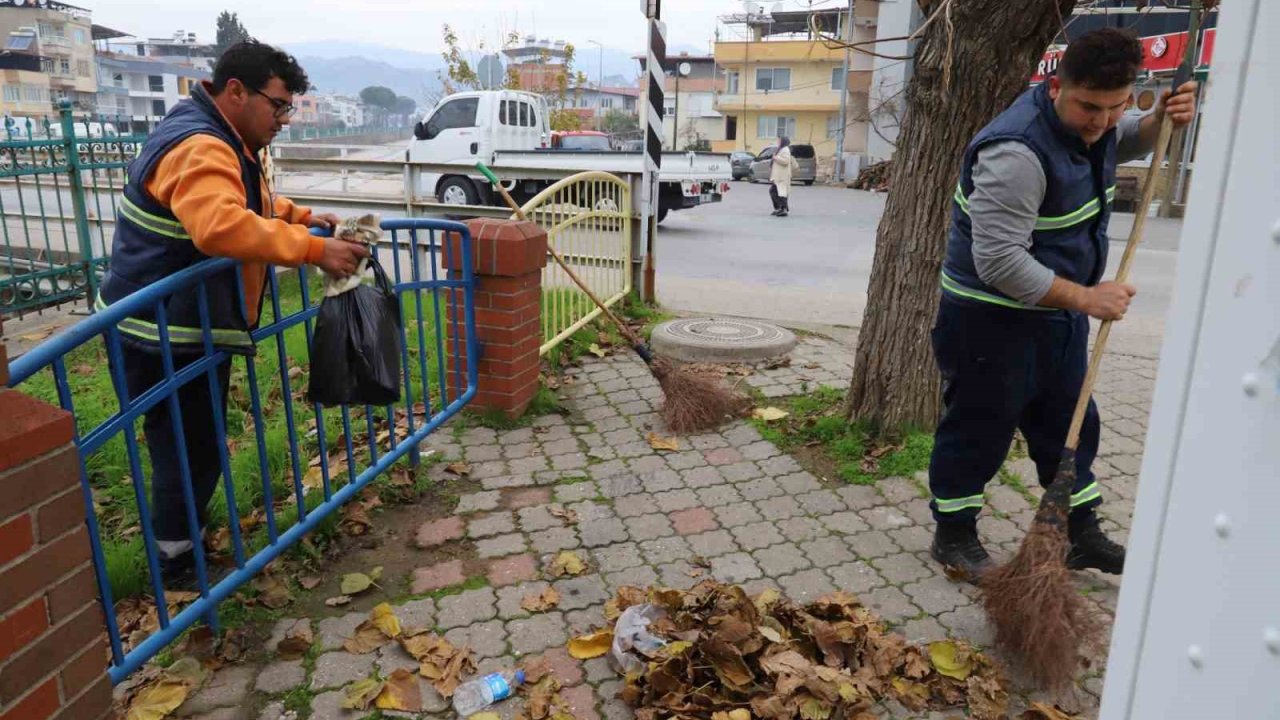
[{"x": 995, "y": 44}]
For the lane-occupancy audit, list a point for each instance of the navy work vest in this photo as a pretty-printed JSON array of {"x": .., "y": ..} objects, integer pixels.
[
  {"x": 150, "y": 243},
  {"x": 1070, "y": 236}
]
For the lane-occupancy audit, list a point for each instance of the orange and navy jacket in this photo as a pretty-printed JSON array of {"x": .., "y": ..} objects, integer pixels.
[{"x": 196, "y": 191}]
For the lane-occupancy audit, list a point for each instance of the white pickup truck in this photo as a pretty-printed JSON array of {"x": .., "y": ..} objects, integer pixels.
[{"x": 510, "y": 129}]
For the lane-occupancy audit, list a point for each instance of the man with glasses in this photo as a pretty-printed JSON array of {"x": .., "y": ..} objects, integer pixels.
[{"x": 197, "y": 190}]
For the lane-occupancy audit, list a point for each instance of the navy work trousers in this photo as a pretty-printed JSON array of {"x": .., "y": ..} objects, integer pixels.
[
  {"x": 143, "y": 370},
  {"x": 1005, "y": 369}
]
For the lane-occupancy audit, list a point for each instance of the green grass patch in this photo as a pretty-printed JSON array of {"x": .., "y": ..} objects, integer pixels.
[
  {"x": 816, "y": 429},
  {"x": 472, "y": 583}
]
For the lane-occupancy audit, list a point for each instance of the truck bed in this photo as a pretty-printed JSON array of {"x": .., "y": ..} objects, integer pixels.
[{"x": 676, "y": 166}]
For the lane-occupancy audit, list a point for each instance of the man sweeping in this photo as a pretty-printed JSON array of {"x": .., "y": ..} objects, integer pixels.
[
  {"x": 1027, "y": 249},
  {"x": 195, "y": 191}
]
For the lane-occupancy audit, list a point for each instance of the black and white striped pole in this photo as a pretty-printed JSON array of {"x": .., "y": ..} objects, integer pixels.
[{"x": 655, "y": 64}]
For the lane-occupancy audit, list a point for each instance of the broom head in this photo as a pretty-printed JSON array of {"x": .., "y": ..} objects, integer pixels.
[
  {"x": 1032, "y": 602},
  {"x": 694, "y": 403}
]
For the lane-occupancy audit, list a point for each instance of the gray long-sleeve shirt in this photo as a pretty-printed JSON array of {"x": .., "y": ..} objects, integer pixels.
[{"x": 1008, "y": 188}]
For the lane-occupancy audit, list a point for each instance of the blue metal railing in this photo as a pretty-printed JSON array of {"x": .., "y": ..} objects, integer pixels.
[{"x": 419, "y": 243}]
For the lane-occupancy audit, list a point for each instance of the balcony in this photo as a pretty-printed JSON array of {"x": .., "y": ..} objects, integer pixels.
[
  {"x": 796, "y": 51},
  {"x": 55, "y": 44}
]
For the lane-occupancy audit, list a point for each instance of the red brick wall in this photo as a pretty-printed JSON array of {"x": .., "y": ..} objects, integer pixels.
[
  {"x": 508, "y": 258},
  {"x": 53, "y": 652}
]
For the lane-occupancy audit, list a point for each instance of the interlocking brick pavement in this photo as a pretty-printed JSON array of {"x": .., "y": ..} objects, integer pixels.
[{"x": 729, "y": 498}]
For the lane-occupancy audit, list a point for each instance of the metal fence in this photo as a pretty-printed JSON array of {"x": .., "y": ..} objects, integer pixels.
[
  {"x": 588, "y": 221},
  {"x": 285, "y": 465},
  {"x": 59, "y": 182}
]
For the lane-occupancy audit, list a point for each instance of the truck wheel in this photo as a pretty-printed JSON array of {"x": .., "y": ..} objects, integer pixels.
[
  {"x": 458, "y": 191},
  {"x": 662, "y": 213},
  {"x": 807, "y": 183}
]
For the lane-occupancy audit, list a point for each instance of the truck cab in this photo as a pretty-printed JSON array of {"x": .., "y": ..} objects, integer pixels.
[{"x": 470, "y": 126}]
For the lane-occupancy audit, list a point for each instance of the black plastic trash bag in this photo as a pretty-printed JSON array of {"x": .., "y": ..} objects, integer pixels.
[{"x": 355, "y": 353}]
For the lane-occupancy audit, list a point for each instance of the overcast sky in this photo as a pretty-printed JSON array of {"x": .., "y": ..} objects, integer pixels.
[{"x": 415, "y": 24}]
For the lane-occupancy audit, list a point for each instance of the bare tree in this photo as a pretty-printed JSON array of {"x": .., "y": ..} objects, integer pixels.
[{"x": 973, "y": 60}]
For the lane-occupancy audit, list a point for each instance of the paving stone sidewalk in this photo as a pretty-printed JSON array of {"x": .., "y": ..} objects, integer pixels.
[{"x": 730, "y": 497}]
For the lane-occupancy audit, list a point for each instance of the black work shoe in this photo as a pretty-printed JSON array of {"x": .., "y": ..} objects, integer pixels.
[
  {"x": 956, "y": 546},
  {"x": 1091, "y": 548},
  {"x": 178, "y": 573}
]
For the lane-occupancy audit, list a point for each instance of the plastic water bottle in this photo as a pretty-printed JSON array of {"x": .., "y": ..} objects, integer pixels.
[{"x": 476, "y": 695}]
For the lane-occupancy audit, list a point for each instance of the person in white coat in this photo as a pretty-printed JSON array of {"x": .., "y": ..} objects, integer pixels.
[{"x": 780, "y": 177}]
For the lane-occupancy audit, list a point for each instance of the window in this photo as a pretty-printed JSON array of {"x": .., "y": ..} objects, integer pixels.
[
  {"x": 117, "y": 79},
  {"x": 833, "y": 126},
  {"x": 774, "y": 126},
  {"x": 507, "y": 113},
  {"x": 837, "y": 78},
  {"x": 45, "y": 30},
  {"x": 82, "y": 68},
  {"x": 606, "y": 102},
  {"x": 155, "y": 83},
  {"x": 453, "y": 114},
  {"x": 773, "y": 79},
  {"x": 64, "y": 66},
  {"x": 669, "y": 107},
  {"x": 524, "y": 115},
  {"x": 80, "y": 36},
  {"x": 13, "y": 93},
  {"x": 731, "y": 78},
  {"x": 35, "y": 93},
  {"x": 533, "y": 116},
  {"x": 46, "y": 65},
  {"x": 731, "y": 127}
]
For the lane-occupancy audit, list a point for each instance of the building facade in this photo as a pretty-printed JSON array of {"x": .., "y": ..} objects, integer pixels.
[
  {"x": 780, "y": 79},
  {"x": 141, "y": 90},
  {"x": 691, "y": 118},
  {"x": 60, "y": 37}
]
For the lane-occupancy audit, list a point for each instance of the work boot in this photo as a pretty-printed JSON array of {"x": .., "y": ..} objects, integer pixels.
[
  {"x": 957, "y": 548},
  {"x": 1091, "y": 548}
]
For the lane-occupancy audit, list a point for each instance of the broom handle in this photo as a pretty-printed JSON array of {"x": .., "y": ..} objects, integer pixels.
[
  {"x": 1131, "y": 247},
  {"x": 626, "y": 332}
]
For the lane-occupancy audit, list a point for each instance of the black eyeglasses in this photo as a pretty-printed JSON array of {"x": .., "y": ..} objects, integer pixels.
[{"x": 283, "y": 109}]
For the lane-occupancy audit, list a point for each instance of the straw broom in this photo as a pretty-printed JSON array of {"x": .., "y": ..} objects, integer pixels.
[{"x": 693, "y": 403}]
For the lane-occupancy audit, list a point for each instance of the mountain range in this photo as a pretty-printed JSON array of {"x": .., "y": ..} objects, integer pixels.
[{"x": 347, "y": 67}]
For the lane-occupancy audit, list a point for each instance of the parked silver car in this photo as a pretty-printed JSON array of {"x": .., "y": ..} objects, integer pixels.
[{"x": 805, "y": 158}]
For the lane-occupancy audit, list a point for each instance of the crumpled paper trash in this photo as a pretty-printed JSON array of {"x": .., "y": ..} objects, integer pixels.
[
  {"x": 366, "y": 229},
  {"x": 631, "y": 635}
]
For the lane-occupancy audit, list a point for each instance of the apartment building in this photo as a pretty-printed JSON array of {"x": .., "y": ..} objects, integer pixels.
[
  {"x": 49, "y": 57},
  {"x": 691, "y": 118}
]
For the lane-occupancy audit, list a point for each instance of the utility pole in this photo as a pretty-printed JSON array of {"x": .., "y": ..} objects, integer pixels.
[
  {"x": 844, "y": 96},
  {"x": 655, "y": 63}
]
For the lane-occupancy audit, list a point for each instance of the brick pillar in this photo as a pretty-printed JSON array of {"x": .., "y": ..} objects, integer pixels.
[
  {"x": 53, "y": 650},
  {"x": 508, "y": 257}
]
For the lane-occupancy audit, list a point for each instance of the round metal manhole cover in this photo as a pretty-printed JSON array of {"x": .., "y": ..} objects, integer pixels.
[{"x": 720, "y": 340}]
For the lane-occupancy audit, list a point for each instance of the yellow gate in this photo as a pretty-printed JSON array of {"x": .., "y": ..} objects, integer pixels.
[{"x": 588, "y": 221}]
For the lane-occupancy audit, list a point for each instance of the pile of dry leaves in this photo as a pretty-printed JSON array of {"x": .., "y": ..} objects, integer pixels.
[{"x": 730, "y": 657}]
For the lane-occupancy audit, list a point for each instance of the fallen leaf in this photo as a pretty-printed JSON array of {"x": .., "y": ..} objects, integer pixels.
[
  {"x": 695, "y": 572},
  {"x": 596, "y": 350},
  {"x": 770, "y": 414},
  {"x": 338, "y": 601},
  {"x": 585, "y": 647},
  {"x": 309, "y": 582},
  {"x": 1040, "y": 711},
  {"x": 951, "y": 660},
  {"x": 460, "y": 469},
  {"x": 295, "y": 373},
  {"x": 356, "y": 583},
  {"x": 657, "y": 442},
  {"x": 401, "y": 693},
  {"x": 360, "y": 694},
  {"x": 355, "y": 520},
  {"x": 485, "y": 716},
  {"x": 535, "y": 670},
  {"x": 367, "y": 638},
  {"x": 560, "y": 511},
  {"x": 814, "y": 709},
  {"x": 272, "y": 593},
  {"x": 568, "y": 563},
  {"x": 384, "y": 618},
  {"x": 157, "y": 701},
  {"x": 313, "y": 479},
  {"x": 541, "y": 602},
  {"x": 297, "y": 641}
]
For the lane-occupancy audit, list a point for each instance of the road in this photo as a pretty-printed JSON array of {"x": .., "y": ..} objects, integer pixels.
[{"x": 814, "y": 266}]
